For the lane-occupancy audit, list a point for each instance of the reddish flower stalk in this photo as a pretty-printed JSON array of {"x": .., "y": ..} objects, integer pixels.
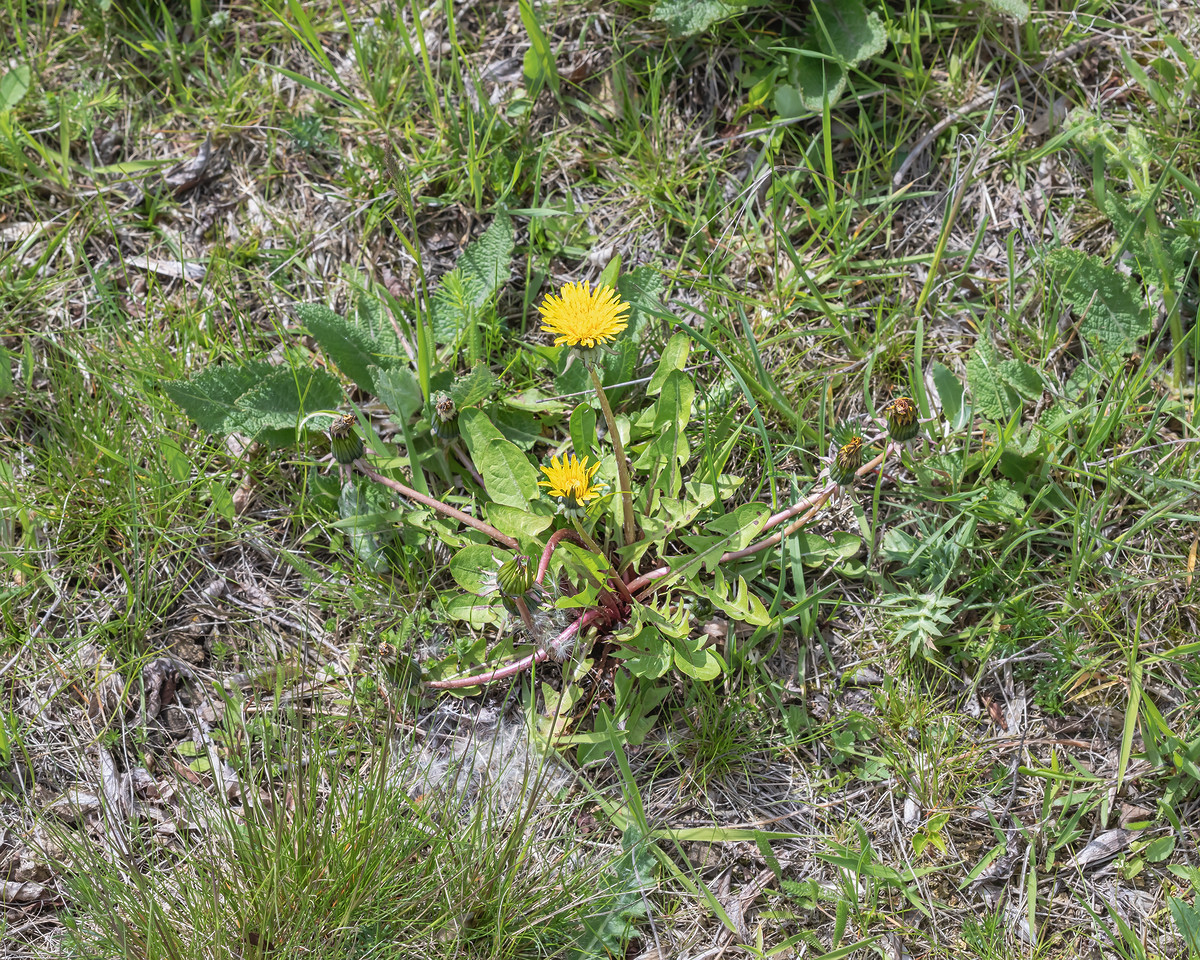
[
  {"x": 812, "y": 504},
  {"x": 568, "y": 534},
  {"x": 512, "y": 669},
  {"x": 442, "y": 508}
]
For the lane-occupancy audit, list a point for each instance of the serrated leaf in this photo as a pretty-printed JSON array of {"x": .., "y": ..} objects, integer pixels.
[
  {"x": 686, "y": 18},
  {"x": 282, "y": 398},
  {"x": 210, "y": 398},
  {"x": 1023, "y": 378},
  {"x": 1116, "y": 314},
  {"x": 482, "y": 269},
  {"x": 507, "y": 474},
  {"x": 1018, "y": 10},
  {"x": 350, "y": 347},
  {"x": 734, "y": 531},
  {"x": 474, "y": 387},
  {"x": 991, "y": 396},
  {"x": 399, "y": 391},
  {"x": 696, "y": 660},
  {"x": 842, "y": 34}
]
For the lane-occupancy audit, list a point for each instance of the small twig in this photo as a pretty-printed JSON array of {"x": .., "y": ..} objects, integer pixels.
[{"x": 443, "y": 508}]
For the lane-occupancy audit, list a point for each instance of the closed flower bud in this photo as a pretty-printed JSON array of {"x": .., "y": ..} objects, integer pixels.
[
  {"x": 902, "y": 421},
  {"x": 343, "y": 437},
  {"x": 846, "y": 461},
  {"x": 443, "y": 419}
]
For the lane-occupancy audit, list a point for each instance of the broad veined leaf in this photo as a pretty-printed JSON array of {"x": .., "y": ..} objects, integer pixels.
[
  {"x": 399, "y": 391},
  {"x": 351, "y": 347},
  {"x": 474, "y": 567},
  {"x": 507, "y": 473},
  {"x": 1116, "y": 314}
]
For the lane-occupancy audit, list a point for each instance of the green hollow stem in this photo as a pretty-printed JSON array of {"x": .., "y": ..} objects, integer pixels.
[{"x": 629, "y": 525}]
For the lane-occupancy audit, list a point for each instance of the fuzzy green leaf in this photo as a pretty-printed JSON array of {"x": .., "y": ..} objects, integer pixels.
[
  {"x": 1116, "y": 314},
  {"x": 280, "y": 400},
  {"x": 992, "y": 397},
  {"x": 1018, "y": 10},
  {"x": 351, "y": 347},
  {"x": 841, "y": 35},
  {"x": 686, "y": 18},
  {"x": 399, "y": 391},
  {"x": 211, "y": 398},
  {"x": 482, "y": 270},
  {"x": 508, "y": 475},
  {"x": 474, "y": 387},
  {"x": 1023, "y": 378}
]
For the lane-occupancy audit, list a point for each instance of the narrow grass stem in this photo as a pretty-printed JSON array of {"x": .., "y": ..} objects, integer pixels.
[
  {"x": 442, "y": 508},
  {"x": 629, "y": 526}
]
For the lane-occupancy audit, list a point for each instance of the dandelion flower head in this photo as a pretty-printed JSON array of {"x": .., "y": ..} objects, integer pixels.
[
  {"x": 582, "y": 317},
  {"x": 570, "y": 480}
]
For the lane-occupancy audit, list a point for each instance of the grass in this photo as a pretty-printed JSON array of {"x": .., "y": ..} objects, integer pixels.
[{"x": 1000, "y": 669}]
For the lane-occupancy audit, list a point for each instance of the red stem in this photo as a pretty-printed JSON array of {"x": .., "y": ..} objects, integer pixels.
[
  {"x": 812, "y": 503},
  {"x": 511, "y": 669},
  {"x": 443, "y": 508},
  {"x": 566, "y": 533}
]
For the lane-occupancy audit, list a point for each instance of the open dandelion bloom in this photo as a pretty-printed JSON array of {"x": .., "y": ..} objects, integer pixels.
[
  {"x": 570, "y": 481},
  {"x": 582, "y": 317}
]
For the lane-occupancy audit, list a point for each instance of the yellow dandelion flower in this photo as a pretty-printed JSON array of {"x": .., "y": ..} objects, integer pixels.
[
  {"x": 583, "y": 317},
  {"x": 569, "y": 479}
]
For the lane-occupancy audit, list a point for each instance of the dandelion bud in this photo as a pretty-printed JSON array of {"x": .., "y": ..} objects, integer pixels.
[
  {"x": 902, "y": 420},
  {"x": 443, "y": 420},
  {"x": 343, "y": 437},
  {"x": 846, "y": 461},
  {"x": 516, "y": 576}
]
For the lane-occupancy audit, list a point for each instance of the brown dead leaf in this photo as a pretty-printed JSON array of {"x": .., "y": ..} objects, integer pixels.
[
  {"x": 205, "y": 166},
  {"x": 1101, "y": 848},
  {"x": 22, "y": 892}
]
